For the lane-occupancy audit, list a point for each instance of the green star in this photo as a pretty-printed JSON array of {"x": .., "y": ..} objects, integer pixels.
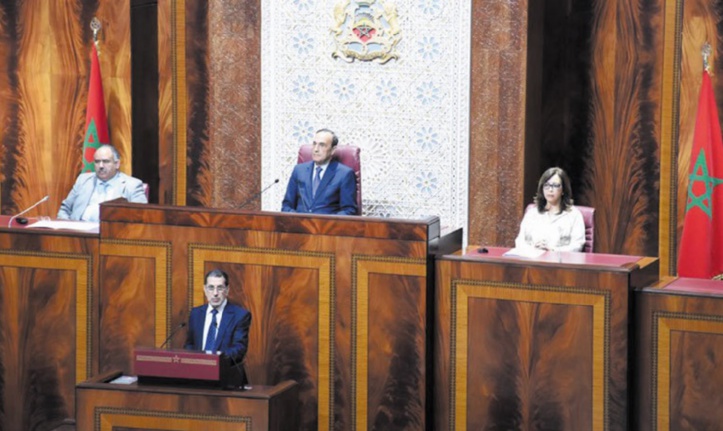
[{"x": 700, "y": 173}]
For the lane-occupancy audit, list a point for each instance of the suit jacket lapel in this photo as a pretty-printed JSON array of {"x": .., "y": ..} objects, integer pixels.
[
  {"x": 84, "y": 197},
  {"x": 228, "y": 316},
  {"x": 308, "y": 175},
  {"x": 199, "y": 322}
]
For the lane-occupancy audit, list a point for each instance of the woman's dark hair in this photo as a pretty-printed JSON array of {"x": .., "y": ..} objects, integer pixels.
[{"x": 566, "y": 199}]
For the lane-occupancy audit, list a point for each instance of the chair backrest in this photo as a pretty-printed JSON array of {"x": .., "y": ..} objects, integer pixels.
[
  {"x": 588, "y": 217},
  {"x": 348, "y": 155}
]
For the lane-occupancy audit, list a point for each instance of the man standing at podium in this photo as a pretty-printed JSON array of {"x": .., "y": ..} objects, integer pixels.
[
  {"x": 219, "y": 326},
  {"x": 321, "y": 186},
  {"x": 105, "y": 184}
]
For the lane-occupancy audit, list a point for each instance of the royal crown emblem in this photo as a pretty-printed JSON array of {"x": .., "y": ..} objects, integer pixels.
[{"x": 365, "y": 30}]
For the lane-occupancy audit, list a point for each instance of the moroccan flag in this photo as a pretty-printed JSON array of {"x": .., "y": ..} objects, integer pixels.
[
  {"x": 701, "y": 246},
  {"x": 96, "y": 123}
]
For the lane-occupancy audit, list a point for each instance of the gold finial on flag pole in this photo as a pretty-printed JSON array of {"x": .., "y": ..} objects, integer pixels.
[
  {"x": 95, "y": 26},
  {"x": 706, "y": 52}
]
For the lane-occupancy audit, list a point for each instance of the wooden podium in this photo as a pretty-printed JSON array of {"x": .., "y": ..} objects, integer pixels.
[
  {"x": 102, "y": 404},
  {"x": 534, "y": 343}
]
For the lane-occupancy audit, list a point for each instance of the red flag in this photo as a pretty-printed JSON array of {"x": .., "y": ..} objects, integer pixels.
[
  {"x": 96, "y": 122},
  {"x": 701, "y": 246}
]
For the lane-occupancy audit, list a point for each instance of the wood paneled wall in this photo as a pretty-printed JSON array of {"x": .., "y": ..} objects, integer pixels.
[
  {"x": 45, "y": 58},
  {"x": 609, "y": 94}
]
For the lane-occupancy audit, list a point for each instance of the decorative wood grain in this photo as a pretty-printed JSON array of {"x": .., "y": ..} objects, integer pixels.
[
  {"x": 294, "y": 309},
  {"x": 532, "y": 345},
  {"x": 47, "y": 303},
  {"x": 106, "y": 406},
  {"x": 680, "y": 338},
  {"x": 307, "y": 281},
  {"x": 377, "y": 377},
  {"x": 45, "y": 53}
]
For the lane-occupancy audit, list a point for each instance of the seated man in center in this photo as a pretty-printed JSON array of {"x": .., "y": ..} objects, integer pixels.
[{"x": 321, "y": 186}]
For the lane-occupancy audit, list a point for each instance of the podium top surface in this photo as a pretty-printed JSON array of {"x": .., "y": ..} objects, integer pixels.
[
  {"x": 687, "y": 287},
  {"x": 103, "y": 382},
  {"x": 603, "y": 261},
  {"x": 120, "y": 211}
]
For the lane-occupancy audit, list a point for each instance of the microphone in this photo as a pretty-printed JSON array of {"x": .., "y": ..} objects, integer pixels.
[
  {"x": 256, "y": 196},
  {"x": 178, "y": 328},
  {"x": 28, "y": 209}
]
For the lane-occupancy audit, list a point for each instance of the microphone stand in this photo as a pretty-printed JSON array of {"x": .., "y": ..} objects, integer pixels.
[
  {"x": 170, "y": 337},
  {"x": 10, "y": 222},
  {"x": 256, "y": 195}
]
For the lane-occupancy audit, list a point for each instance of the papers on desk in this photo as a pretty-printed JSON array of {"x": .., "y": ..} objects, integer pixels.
[
  {"x": 125, "y": 380},
  {"x": 81, "y": 226},
  {"x": 528, "y": 252}
]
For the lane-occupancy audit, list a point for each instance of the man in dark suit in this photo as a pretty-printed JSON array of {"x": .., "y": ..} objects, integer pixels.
[
  {"x": 321, "y": 186},
  {"x": 219, "y": 326},
  {"x": 106, "y": 183}
]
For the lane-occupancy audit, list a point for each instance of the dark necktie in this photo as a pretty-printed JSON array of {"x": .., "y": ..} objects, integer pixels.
[
  {"x": 316, "y": 181},
  {"x": 211, "y": 337}
]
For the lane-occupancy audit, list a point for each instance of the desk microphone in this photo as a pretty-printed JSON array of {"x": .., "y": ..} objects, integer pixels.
[
  {"x": 178, "y": 328},
  {"x": 256, "y": 196},
  {"x": 28, "y": 209}
]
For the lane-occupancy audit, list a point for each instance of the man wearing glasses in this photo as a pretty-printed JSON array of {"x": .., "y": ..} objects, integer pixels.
[
  {"x": 219, "y": 326},
  {"x": 105, "y": 184}
]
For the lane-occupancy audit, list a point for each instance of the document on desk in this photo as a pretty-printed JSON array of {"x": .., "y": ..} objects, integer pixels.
[
  {"x": 530, "y": 253},
  {"x": 81, "y": 226}
]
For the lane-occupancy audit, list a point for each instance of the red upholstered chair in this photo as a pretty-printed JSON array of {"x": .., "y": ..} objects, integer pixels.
[
  {"x": 588, "y": 217},
  {"x": 348, "y": 155}
]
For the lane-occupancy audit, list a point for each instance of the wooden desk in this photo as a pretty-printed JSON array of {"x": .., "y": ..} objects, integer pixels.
[
  {"x": 343, "y": 305},
  {"x": 679, "y": 372},
  {"x": 534, "y": 343},
  {"x": 104, "y": 406},
  {"x": 48, "y": 297}
]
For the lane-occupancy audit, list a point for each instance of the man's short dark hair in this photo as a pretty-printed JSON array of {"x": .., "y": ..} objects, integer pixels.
[
  {"x": 334, "y": 138},
  {"x": 216, "y": 273}
]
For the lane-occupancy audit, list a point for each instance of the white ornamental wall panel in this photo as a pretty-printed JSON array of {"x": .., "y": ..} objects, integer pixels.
[{"x": 409, "y": 115}]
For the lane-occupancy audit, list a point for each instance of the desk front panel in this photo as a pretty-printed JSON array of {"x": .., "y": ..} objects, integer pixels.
[
  {"x": 531, "y": 345},
  {"x": 339, "y": 305},
  {"x": 48, "y": 295},
  {"x": 680, "y": 355}
]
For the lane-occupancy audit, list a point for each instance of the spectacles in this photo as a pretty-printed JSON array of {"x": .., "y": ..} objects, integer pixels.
[
  {"x": 550, "y": 186},
  {"x": 216, "y": 289}
]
